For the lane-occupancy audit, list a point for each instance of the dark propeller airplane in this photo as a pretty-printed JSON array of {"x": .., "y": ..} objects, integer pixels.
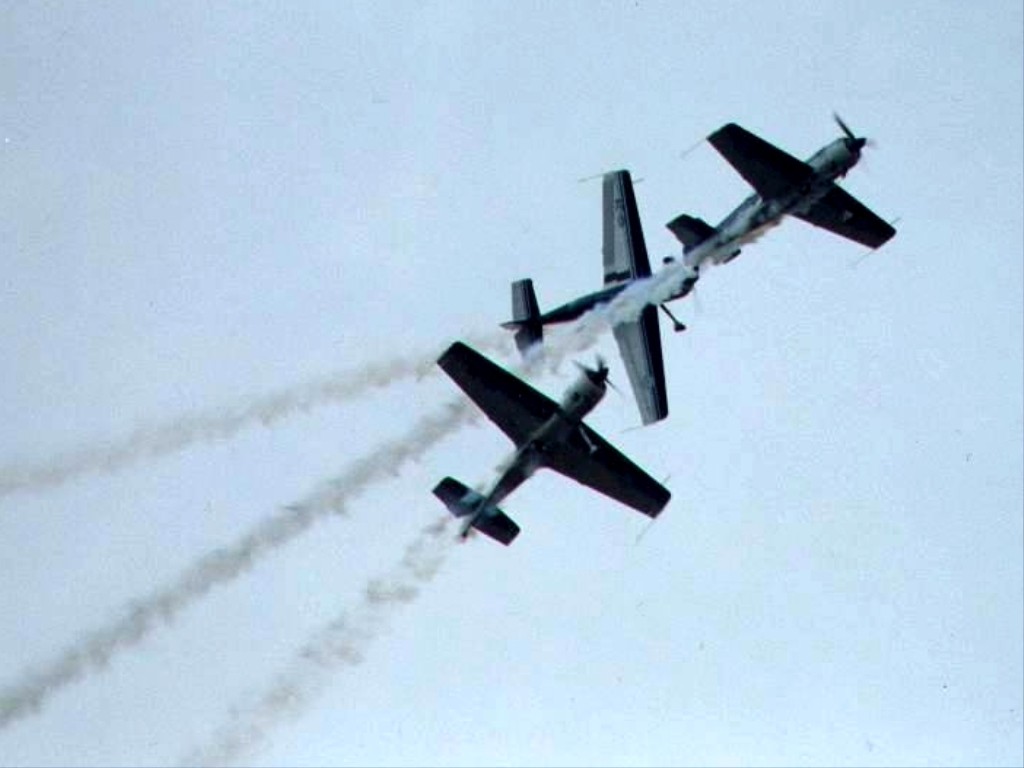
[
  {"x": 783, "y": 186},
  {"x": 546, "y": 434},
  {"x": 625, "y": 262}
]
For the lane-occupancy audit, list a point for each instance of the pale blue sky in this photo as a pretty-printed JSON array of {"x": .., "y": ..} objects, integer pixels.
[{"x": 203, "y": 203}]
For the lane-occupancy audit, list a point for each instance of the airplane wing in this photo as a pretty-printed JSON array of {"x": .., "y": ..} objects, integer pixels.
[
  {"x": 625, "y": 254},
  {"x": 840, "y": 212},
  {"x": 766, "y": 168},
  {"x": 588, "y": 458},
  {"x": 625, "y": 258},
  {"x": 640, "y": 346},
  {"x": 512, "y": 404}
]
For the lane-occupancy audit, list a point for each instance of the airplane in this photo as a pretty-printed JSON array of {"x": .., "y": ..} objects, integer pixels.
[
  {"x": 625, "y": 262},
  {"x": 783, "y": 186},
  {"x": 546, "y": 434}
]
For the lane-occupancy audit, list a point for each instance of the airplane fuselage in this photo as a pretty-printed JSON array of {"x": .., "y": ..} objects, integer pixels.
[
  {"x": 580, "y": 399},
  {"x": 571, "y": 310},
  {"x": 744, "y": 224},
  {"x": 578, "y": 307}
]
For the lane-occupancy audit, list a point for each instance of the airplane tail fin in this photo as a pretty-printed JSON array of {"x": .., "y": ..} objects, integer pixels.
[
  {"x": 465, "y": 502},
  {"x": 690, "y": 230},
  {"x": 525, "y": 316}
]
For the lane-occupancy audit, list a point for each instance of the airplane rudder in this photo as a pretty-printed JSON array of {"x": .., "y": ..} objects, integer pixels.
[
  {"x": 524, "y": 301},
  {"x": 525, "y": 315}
]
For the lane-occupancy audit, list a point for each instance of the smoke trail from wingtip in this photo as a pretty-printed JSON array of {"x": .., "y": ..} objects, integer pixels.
[
  {"x": 93, "y": 652},
  {"x": 343, "y": 642},
  {"x": 158, "y": 440}
]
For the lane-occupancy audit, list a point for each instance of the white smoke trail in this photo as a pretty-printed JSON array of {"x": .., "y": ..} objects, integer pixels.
[
  {"x": 343, "y": 642},
  {"x": 162, "y": 439},
  {"x": 94, "y": 651},
  {"x": 625, "y": 307},
  {"x": 159, "y": 440},
  {"x": 632, "y": 300}
]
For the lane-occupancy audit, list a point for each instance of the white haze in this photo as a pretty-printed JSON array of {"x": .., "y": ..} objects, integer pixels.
[
  {"x": 343, "y": 642},
  {"x": 92, "y": 652},
  {"x": 179, "y": 433}
]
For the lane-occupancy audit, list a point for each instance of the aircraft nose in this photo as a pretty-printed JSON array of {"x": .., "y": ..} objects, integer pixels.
[
  {"x": 853, "y": 143},
  {"x": 596, "y": 375}
]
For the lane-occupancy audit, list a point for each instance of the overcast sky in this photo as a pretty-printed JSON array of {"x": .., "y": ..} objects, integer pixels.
[{"x": 206, "y": 205}]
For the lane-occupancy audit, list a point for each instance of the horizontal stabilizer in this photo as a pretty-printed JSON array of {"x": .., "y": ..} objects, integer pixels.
[
  {"x": 459, "y": 499},
  {"x": 690, "y": 231},
  {"x": 525, "y": 315},
  {"x": 463, "y": 502},
  {"x": 498, "y": 526}
]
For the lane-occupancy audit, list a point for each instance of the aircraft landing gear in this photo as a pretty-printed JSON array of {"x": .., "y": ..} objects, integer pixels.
[{"x": 676, "y": 325}]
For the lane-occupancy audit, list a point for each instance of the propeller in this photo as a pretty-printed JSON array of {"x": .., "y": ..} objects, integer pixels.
[
  {"x": 854, "y": 142},
  {"x": 598, "y": 375},
  {"x": 602, "y": 372},
  {"x": 611, "y": 384}
]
